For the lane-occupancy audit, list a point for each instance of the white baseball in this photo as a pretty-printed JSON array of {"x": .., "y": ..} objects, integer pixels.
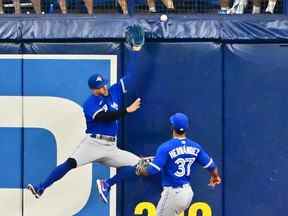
[{"x": 163, "y": 18}]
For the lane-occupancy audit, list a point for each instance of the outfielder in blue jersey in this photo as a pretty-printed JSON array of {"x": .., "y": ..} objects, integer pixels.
[
  {"x": 103, "y": 110},
  {"x": 175, "y": 159}
]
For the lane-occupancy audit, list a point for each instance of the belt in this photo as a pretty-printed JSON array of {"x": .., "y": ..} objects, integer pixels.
[
  {"x": 179, "y": 186},
  {"x": 103, "y": 137}
]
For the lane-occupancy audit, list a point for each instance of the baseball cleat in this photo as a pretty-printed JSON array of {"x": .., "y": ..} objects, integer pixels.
[
  {"x": 34, "y": 191},
  {"x": 103, "y": 190}
]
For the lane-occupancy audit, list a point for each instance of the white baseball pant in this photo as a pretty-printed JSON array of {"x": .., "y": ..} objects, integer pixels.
[
  {"x": 104, "y": 152},
  {"x": 173, "y": 201}
]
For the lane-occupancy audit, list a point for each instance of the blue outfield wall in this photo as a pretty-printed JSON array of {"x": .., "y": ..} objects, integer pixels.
[
  {"x": 255, "y": 124},
  {"x": 234, "y": 93},
  {"x": 180, "y": 80}
]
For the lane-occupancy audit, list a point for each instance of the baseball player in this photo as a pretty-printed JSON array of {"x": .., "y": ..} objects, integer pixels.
[
  {"x": 174, "y": 160},
  {"x": 102, "y": 111}
]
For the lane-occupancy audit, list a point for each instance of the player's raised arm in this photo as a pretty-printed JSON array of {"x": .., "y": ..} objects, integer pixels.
[
  {"x": 207, "y": 163},
  {"x": 134, "y": 74}
]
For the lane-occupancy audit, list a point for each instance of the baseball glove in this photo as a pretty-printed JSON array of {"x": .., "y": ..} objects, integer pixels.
[
  {"x": 143, "y": 164},
  {"x": 135, "y": 37}
]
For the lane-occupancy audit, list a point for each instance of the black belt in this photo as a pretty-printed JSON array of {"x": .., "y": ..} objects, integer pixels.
[{"x": 103, "y": 137}]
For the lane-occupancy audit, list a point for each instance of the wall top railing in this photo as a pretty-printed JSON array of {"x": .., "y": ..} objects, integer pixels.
[{"x": 272, "y": 28}]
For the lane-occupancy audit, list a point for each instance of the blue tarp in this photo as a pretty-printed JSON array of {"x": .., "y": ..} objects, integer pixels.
[{"x": 191, "y": 27}]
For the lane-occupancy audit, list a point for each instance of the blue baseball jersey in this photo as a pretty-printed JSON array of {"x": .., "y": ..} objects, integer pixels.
[
  {"x": 113, "y": 102},
  {"x": 175, "y": 159},
  {"x": 95, "y": 104}
]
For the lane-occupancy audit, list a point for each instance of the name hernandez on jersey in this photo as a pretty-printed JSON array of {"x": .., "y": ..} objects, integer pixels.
[
  {"x": 175, "y": 159},
  {"x": 183, "y": 150}
]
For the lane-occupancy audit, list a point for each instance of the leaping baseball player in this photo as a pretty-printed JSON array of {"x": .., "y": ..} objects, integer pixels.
[
  {"x": 102, "y": 112},
  {"x": 174, "y": 160}
]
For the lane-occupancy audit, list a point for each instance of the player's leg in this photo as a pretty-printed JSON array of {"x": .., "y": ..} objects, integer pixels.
[
  {"x": 17, "y": 7},
  {"x": 86, "y": 152},
  {"x": 256, "y": 7},
  {"x": 169, "y": 4},
  {"x": 151, "y": 6},
  {"x": 63, "y": 6},
  {"x": 166, "y": 205},
  {"x": 126, "y": 162},
  {"x": 174, "y": 201},
  {"x": 271, "y": 6},
  {"x": 123, "y": 6},
  {"x": 89, "y": 6},
  {"x": 1, "y": 7},
  {"x": 183, "y": 198},
  {"x": 37, "y": 6},
  {"x": 54, "y": 176}
]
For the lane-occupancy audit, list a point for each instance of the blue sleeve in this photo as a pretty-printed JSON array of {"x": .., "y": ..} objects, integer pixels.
[
  {"x": 205, "y": 160},
  {"x": 158, "y": 163},
  {"x": 135, "y": 74},
  {"x": 92, "y": 109},
  {"x": 119, "y": 88}
]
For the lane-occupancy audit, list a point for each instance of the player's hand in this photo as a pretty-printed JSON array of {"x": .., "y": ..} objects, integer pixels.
[
  {"x": 134, "y": 106},
  {"x": 214, "y": 180}
]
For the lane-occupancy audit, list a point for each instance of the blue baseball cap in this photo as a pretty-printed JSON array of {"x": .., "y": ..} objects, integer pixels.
[
  {"x": 179, "y": 122},
  {"x": 96, "y": 81}
]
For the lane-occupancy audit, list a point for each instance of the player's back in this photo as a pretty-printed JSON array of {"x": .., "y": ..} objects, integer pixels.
[{"x": 180, "y": 157}]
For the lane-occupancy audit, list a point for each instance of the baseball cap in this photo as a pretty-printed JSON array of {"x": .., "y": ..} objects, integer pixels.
[
  {"x": 179, "y": 122},
  {"x": 96, "y": 81}
]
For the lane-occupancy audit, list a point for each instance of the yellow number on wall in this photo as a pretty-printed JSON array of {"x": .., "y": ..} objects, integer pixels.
[
  {"x": 139, "y": 209},
  {"x": 200, "y": 206},
  {"x": 204, "y": 208}
]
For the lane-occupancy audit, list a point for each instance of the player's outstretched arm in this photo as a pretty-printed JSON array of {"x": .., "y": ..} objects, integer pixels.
[
  {"x": 142, "y": 165},
  {"x": 215, "y": 178},
  {"x": 137, "y": 72},
  {"x": 152, "y": 166}
]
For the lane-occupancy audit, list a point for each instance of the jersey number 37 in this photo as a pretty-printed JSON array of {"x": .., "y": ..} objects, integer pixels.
[{"x": 184, "y": 166}]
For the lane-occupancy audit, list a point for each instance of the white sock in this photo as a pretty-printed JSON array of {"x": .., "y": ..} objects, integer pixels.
[
  {"x": 270, "y": 7},
  {"x": 236, "y": 2},
  {"x": 241, "y": 7},
  {"x": 244, "y": 2},
  {"x": 152, "y": 9},
  {"x": 256, "y": 9}
]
